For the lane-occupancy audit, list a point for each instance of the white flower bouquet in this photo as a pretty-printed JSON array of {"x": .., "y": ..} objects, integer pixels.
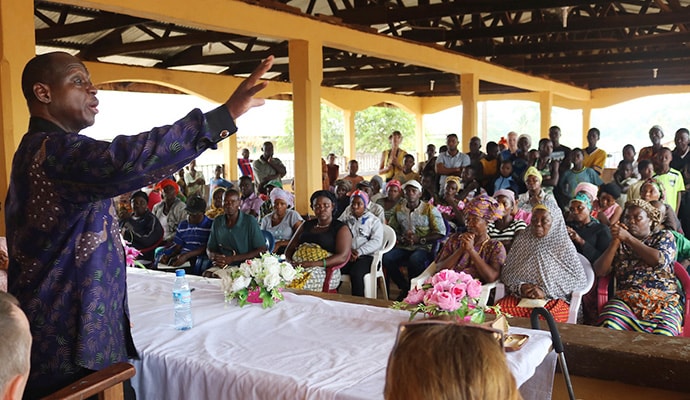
[{"x": 259, "y": 280}]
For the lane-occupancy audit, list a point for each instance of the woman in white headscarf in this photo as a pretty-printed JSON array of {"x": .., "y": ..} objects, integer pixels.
[
  {"x": 283, "y": 221},
  {"x": 542, "y": 264}
]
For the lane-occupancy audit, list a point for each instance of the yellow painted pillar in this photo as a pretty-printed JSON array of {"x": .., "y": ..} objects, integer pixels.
[
  {"x": 17, "y": 46},
  {"x": 349, "y": 148},
  {"x": 306, "y": 74},
  {"x": 586, "y": 123},
  {"x": 469, "y": 90},
  {"x": 419, "y": 138},
  {"x": 545, "y": 106},
  {"x": 231, "y": 156}
]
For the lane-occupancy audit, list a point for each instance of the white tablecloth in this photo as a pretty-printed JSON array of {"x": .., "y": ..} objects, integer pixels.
[{"x": 302, "y": 348}]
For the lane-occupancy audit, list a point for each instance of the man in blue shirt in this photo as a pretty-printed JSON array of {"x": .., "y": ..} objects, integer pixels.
[{"x": 190, "y": 239}]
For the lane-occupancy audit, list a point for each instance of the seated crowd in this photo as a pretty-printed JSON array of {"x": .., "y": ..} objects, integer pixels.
[{"x": 520, "y": 216}]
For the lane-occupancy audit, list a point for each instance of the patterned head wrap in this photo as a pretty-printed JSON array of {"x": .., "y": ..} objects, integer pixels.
[
  {"x": 589, "y": 189},
  {"x": 532, "y": 171},
  {"x": 362, "y": 195},
  {"x": 583, "y": 198},
  {"x": 280, "y": 194},
  {"x": 659, "y": 187},
  {"x": 393, "y": 182},
  {"x": 453, "y": 178},
  {"x": 484, "y": 207},
  {"x": 652, "y": 212}
]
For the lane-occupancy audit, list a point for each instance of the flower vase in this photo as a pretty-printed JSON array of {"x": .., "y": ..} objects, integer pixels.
[{"x": 253, "y": 296}]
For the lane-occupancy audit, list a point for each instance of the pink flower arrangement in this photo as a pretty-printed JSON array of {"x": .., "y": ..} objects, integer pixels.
[
  {"x": 446, "y": 293},
  {"x": 131, "y": 255}
]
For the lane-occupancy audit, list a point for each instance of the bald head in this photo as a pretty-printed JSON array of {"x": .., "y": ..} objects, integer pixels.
[
  {"x": 57, "y": 87},
  {"x": 15, "y": 348}
]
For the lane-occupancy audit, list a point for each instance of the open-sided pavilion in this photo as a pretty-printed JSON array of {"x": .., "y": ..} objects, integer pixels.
[{"x": 422, "y": 55}]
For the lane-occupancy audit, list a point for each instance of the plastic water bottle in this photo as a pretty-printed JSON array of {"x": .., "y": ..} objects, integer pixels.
[{"x": 182, "y": 299}]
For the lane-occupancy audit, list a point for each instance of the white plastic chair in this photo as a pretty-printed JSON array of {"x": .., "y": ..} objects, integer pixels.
[
  {"x": 375, "y": 274},
  {"x": 576, "y": 295}
]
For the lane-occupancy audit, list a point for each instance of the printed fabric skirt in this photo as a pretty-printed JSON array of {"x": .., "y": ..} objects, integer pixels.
[
  {"x": 619, "y": 316},
  {"x": 314, "y": 278},
  {"x": 558, "y": 308}
]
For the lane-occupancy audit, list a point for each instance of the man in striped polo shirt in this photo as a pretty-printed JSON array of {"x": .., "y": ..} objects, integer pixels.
[{"x": 191, "y": 238}]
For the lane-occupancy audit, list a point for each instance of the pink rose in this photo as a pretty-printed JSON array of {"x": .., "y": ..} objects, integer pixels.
[
  {"x": 445, "y": 275},
  {"x": 474, "y": 289},
  {"x": 415, "y": 296},
  {"x": 458, "y": 291},
  {"x": 465, "y": 278},
  {"x": 444, "y": 300}
]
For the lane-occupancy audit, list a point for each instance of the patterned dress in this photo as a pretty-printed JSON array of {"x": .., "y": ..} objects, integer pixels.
[
  {"x": 646, "y": 298},
  {"x": 67, "y": 263},
  {"x": 491, "y": 251}
]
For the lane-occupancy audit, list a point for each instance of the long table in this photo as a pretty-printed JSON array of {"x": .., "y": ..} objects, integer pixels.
[{"x": 304, "y": 347}]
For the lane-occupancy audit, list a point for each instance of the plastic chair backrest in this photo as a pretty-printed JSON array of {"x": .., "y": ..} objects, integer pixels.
[
  {"x": 389, "y": 239},
  {"x": 576, "y": 297},
  {"x": 270, "y": 240},
  {"x": 684, "y": 279}
]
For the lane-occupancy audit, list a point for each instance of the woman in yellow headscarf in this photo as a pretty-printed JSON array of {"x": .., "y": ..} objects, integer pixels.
[{"x": 535, "y": 194}]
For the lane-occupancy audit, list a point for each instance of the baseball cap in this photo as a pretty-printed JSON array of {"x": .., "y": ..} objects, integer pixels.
[{"x": 412, "y": 183}]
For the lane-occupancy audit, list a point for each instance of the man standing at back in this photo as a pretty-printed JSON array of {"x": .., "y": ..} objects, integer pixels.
[
  {"x": 245, "y": 164},
  {"x": 671, "y": 179},
  {"x": 452, "y": 161},
  {"x": 15, "y": 348},
  {"x": 67, "y": 263},
  {"x": 267, "y": 167}
]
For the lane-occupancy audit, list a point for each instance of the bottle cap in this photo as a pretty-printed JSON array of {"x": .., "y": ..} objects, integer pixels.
[{"x": 179, "y": 272}]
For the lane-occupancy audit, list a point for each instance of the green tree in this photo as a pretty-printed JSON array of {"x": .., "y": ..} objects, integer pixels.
[
  {"x": 332, "y": 131},
  {"x": 375, "y": 124},
  {"x": 372, "y": 127}
]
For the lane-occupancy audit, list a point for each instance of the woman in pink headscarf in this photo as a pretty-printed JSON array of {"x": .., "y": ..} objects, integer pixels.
[
  {"x": 474, "y": 252},
  {"x": 283, "y": 221},
  {"x": 393, "y": 197}
]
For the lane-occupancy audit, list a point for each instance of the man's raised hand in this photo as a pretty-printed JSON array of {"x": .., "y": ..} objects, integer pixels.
[{"x": 243, "y": 97}]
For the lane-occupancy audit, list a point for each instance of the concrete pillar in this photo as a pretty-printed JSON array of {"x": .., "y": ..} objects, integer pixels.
[
  {"x": 231, "y": 156},
  {"x": 545, "y": 106},
  {"x": 469, "y": 90},
  {"x": 306, "y": 74},
  {"x": 17, "y": 46},
  {"x": 349, "y": 148},
  {"x": 586, "y": 123},
  {"x": 419, "y": 138}
]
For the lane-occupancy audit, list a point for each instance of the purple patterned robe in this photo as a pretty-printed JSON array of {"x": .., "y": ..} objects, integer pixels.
[{"x": 67, "y": 264}]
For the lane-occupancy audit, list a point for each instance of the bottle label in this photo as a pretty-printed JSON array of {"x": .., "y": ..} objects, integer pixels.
[{"x": 184, "y": 297}]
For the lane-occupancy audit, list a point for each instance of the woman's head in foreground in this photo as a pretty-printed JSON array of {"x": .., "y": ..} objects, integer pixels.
[{"x": 448, "y": 361}]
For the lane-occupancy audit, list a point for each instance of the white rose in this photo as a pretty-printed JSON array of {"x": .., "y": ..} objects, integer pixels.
[
  {"x": 287, "y": 272},
  {"x": 245, "y": 270},
  {"x": 271, "y": 281},
  {"x": 272, "y": 269},
  {"x": 240, "y": 283}
]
